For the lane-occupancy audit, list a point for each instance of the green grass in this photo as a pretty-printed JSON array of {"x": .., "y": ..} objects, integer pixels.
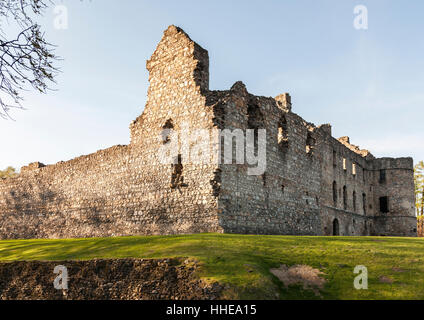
[{"x": 242, "y": 262}]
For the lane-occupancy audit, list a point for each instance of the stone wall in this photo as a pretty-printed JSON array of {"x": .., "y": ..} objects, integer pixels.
[
  {"x": 313, "y": 184},
  {"x": 284, "y": 199},
  {"x": 125, "y": 190},
  {"x": 107, "y": 279},
  {"x": 397, "y": 186},
  {"x": 344, "y": 186}
]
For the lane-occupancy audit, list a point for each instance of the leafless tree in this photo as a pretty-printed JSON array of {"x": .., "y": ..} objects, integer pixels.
[{"x": 26, "y": 60}]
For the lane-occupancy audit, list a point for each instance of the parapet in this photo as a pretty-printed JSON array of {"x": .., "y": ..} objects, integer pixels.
[
  {"x": 326, "y": 127},
  {"x": 393, "y": 163},
  {"x": 346, "y": 142},
  {"x": 284, "y": 101},
  {"x": 32, "y": 166}
]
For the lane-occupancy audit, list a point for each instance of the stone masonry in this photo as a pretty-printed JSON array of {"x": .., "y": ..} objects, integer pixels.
[{"x": 313, "y": 184}]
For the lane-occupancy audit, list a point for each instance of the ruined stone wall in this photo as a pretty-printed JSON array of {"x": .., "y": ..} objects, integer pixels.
[
  {"x": 397, "y": 184},
  {"x": 109, "y": 193},
  {"x": 356, "y": 203},
  {"x": 284, "y": 199},
  {"x": 345, "y": 186},
  {"x": 126, "y": 190},
  {"x": 313, "y": 184}
]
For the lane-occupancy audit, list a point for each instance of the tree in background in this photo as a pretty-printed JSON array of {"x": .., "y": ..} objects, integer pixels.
[
  {"x": 419, "y": 188},
  {"x": 26, "y": 59},
  {"x": 9, "y": 172},
  {"x": 419, "y": 196}
]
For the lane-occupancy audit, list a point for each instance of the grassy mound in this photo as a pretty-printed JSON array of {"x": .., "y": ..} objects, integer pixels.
[{"x": 243, "y": 263}]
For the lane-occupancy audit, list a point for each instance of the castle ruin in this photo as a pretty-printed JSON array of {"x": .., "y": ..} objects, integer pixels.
[{"x": 313, "y": 184}]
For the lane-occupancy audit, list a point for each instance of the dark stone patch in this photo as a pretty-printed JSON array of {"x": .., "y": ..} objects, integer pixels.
[{"x": 106, "y": 279}]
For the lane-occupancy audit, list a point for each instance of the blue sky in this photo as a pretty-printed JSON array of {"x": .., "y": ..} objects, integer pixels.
[{"x": 367, "y": 83}]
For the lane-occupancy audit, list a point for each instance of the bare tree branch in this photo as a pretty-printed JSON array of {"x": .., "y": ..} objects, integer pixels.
[{"x": 26, "y": 60}]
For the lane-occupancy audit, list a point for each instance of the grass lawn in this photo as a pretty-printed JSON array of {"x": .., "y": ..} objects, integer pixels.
[{"x": 242, "y": 262}]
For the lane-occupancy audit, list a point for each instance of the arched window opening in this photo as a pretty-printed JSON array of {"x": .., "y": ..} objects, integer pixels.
[
  {"x": 334, "y": 158},
  {"x": 166, "y": 131},
  {"x": 336, "y": 231},
  {"x": 382, "y": 176},
  {"x": 354, "y": 200},
  {"x": 344, "y": 198},
  {"x": 177, "y": 179},
  {"x": 283, "y": 140},
  {"x": 335, "y": 193},
  {"x": 255, "y": 121},
  {"x": 364, "y": 203},
  {"x": 310, "y": 143}
]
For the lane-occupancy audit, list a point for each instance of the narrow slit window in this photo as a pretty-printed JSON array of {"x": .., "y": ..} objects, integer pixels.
[
  {"x": 334, "y": 193},
  {"x": 364, "y": 203},
  {"x": 382, "y": 176},
  {"x": 167, "y": 130},
  {"x": 177, "y": 170},
  {"x": 310, "y": 143},
  {"x": 334, "y": 159},
  {"x": 283, "y": 140},
  {"x": 354, "y": 200},
  {"x": 255, "y": 121},
  {"x": 344, "y": 198}
]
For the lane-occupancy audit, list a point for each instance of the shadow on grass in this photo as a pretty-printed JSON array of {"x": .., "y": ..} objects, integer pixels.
[{"x": 244, "y": 261}]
